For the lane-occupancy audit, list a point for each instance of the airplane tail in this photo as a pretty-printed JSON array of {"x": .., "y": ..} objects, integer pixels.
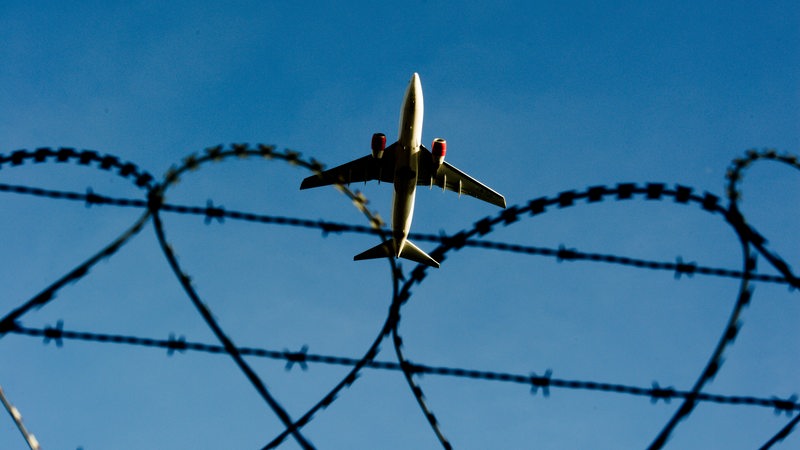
[{"x": 386, "y": 249}]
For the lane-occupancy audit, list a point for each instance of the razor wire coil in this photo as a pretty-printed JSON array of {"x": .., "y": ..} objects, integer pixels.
[{"x": 154, "y": 205}]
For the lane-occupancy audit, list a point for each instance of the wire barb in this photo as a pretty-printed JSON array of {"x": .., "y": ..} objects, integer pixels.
[
  {"x": 154, "y": 204},
  {"x": 298, "y": 358},
  {"x": 542, "y": 382}
]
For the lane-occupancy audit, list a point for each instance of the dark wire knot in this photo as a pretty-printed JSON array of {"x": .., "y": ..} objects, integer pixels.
[
  {"x": 55, "y": 333},
  {"x": 296, "y": 357},
  {"x": 542, "y": 382}
]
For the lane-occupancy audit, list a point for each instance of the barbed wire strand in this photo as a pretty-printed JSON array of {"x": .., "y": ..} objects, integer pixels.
[
  {"x": 652, "y": 191},
  {"x": 128, "y": 170},
  {"x": 30, "y": 439},
  {"x": 210, "y": 212},
  {"x": 782, "y": 434},
  {"x": 376, "y": 227},
  {"x": 292, "y": 157},
  {"x": 735, "y": 177},
  {"x": 156, "y": 197},
  {"x": 366, "y": 361},
  {"x": 178, "y": 344},
  {"x": 731, "y": 330},
  {"x": 624, "y": 191}
]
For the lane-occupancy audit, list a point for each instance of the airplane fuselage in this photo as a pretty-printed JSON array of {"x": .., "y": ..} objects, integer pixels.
[{"x": 407, "y": 164}]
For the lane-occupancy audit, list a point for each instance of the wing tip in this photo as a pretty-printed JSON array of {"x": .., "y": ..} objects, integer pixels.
[
  {"x": 306, "y": 183},
  {"x": 317, "y": 180}
]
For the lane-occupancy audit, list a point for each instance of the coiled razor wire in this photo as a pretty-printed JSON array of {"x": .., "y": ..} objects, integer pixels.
[{"x": 154, "y": 205}]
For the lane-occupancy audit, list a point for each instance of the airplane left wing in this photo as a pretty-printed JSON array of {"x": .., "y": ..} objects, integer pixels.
[
  {"x": 452, "y": 179},
  {"x": 362, "y": 169}
]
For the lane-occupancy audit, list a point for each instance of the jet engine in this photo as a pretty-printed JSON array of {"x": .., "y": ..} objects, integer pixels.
[
  {"x": 438, "y": 150},
  {"x": 378, "y": 145}
]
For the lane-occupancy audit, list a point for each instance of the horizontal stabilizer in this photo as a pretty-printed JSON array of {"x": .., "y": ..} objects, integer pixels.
[
  {"x": 379, "y": 251},
  {"x": 387, "y": 249}
]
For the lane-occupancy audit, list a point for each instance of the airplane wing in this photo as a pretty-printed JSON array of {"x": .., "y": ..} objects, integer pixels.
[
  {"x": 452, "y": 179},
  {"x": 361, "y": 169}
]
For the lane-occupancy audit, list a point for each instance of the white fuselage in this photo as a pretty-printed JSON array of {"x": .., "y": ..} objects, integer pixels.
[{"x": 405, "y": 176}]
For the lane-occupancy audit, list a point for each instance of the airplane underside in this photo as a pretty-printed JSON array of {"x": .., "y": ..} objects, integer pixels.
[{"x": 406, "y": 164}]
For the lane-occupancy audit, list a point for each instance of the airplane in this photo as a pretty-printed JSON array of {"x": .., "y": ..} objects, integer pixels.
[{"x": 406, "y": 164}]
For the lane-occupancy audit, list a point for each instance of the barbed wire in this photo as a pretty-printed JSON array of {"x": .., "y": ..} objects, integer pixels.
[
  {"x": 782, "y": 434},
  {"x": 682, "y": 195},
  {"x": 154, "y": 205},
  {"x": 217, "y": 154},
  {"x": 178, "y": 344},
  {"x": 30, "y": 439},
  {"x": 89, "y": 158},
  {"x": 735, "y": 176},
  {"x": 212, "y": 213}
]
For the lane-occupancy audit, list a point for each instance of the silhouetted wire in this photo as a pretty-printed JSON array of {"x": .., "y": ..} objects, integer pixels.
[
  {"x": 747, "y": 238},
  {"x": 30, "y": 439},
  {"x": 302, "y": 358},
  {"x": 218, "y": 213},
  {"x": 396, "y": 274},
  {"x": 715, "y": 361},
  {"x": 230, "y": 348},
  {"x": 156, "y": 198},
  {"x": 90, "y": 158},
  {"x": 366, "y": 361},
  {"x": 734, "y": 176},
  {"x": 623, "y": 191},
  {"x": 782, "y": 434},
  {"x": 409, "y": 370},
  {"x": 241, "y": 151}
]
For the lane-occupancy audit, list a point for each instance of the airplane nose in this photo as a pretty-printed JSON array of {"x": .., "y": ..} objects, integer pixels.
[{"x": 415, "y": 86}]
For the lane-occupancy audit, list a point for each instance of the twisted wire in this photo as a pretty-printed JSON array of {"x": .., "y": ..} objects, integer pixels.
[
  {"x": 216, "y": 154},
  {"x": 624, "y": 191},
  {"x": 750, "y": 239},
  {"x": 735, "y": 177},
  {"x": 30, "y": 439},
  {"x": 212, "y": 213},
  {"x": 90, "y": 158},
  {"x": 302, "y": 358}
]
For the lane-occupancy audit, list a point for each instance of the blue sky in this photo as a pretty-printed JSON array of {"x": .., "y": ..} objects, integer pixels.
[{"x": 534, "y": 100}]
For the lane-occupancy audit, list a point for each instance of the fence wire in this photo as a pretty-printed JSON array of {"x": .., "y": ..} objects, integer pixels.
[{"x": 153, "y": 206}]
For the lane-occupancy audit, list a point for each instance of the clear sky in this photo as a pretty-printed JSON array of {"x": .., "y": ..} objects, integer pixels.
[{"x": 534, "y": 100}]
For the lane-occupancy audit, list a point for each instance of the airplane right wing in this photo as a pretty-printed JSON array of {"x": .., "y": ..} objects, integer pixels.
[
  {"x": 452, "y": 179},
  {"x": 361, "y": 169}
]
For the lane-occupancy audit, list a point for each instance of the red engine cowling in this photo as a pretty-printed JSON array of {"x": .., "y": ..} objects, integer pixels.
[
  {"x": 378, "y": 145},
  {"x": 438, "y": 150}
]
